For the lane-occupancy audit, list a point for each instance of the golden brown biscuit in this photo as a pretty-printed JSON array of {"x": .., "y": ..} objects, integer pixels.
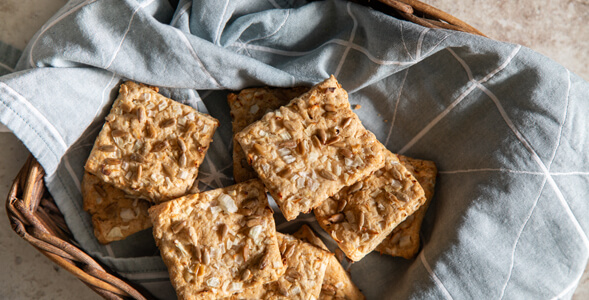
[
  {"x": 306, "y": 265},
  {"x": 308, "y": 150},
  {"x": 404, "y": 240},
  {"x": 337, "y": 283},
  {"x": 218, "y": 242},
  {"x": 249, "y": 106},
  {"x": 361, "y": 216},
  {"x": 115, "y": 214},
  {"x": 150, "y": 145}
]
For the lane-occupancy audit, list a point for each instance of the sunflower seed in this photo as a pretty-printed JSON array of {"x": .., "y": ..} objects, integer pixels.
[
  {"x": 258, "y": 148},
  {"x": 197, "y": 254},
  {"x": 288, "y": 144},
  {"x": 301, "y": 147},
  {"x": 300, "y": 105},
  {"x": 282, "y": 290},
  {"x": 112, "y": 161},
  {"x": 330, "y": 115},
  {"x": 167, "y": 123},
  {"x": 292, "y": 275},
  {"x": 265, "y": 261},
  {"x": 285, "y": 172},
  {"x": 329, "y": 107},
  {"x": 347, "y": 122},
  {"x": 192, "y": 234},
  {"x": 253, "y": 222},
  {"x": 289, "y": 125},
  {"x": 141, "y": 114},
  {"x": 272, "y": 124},
  {"x": 178, "y": 226},
  {"x": 249, "y": 203},
  {"x": 159, "y": 146},
  {"x": 206, "y": 257},
  {"x": 100, "y": 191},
  {"x": 333, "y": 140},
  {"x": 360, "y": 221},
  {"x": 138, "y": 173},
  {"x": 190, "y": 128},
  {"x": 288, "y": 252},
  {"x": 342, "y": 205},
  {"x": 127, "y": 107},
  {"x": 339, "y": 144},
  {"x": 245, "y": 211},
  {"x": 151, "y": 131},
  {"x": 316, "y": 142},
  {"x": 321, "y": 135},
  {"x": 328, "y": 289},
  {"x": 356, "y": 187},
  {"x": 336, "y": 218},
  {"x": 223, "y": 230},
  {"x": 327, "y": 175},
  {"x": 118, "y": 133},
  {"x": 110, "y": 118},
  {"x": 182, "y": 145},
  {"x": 201, "y": 271},
  {"x": 246, "y": 274},
  {"x": 182, "y": 160},
  {"x": 107, "y": 148},
  {"x": 246, "y": 253},
  {"x": 282, "y": 249},
  {"x": 346, "y": 152},
  {"x": 168, "y": 170},
  {"x": 137, "y": 157}
]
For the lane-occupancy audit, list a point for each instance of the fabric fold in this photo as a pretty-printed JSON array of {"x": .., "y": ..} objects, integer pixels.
[{"x": 505, "y": 125}]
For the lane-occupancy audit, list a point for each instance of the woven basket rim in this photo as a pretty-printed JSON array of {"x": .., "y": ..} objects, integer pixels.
[{"x": 34, "y": 216}]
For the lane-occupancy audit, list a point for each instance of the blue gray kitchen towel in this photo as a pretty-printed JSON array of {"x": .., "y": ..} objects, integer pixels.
[{"x": 507, "y": 127}]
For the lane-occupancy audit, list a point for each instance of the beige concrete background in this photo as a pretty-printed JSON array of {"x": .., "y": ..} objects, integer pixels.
[{"x": 555, "y": 28}]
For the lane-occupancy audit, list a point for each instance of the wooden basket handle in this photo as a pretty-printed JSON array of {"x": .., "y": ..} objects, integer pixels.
[
  {"x": 33, "y": 216},
  {"x": 425, "y": 15}
]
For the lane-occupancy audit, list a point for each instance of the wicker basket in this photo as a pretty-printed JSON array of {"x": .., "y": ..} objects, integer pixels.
[{"x": 34, "y": 216}]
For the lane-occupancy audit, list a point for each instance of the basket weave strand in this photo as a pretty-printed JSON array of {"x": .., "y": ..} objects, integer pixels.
[{"x": 34, "y": 216}]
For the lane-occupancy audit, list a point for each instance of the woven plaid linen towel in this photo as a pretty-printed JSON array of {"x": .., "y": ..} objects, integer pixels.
[{"x": 506, "y": 126}]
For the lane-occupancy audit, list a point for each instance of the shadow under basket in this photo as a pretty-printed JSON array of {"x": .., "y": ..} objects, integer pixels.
[{"x": 34, "y": 216}]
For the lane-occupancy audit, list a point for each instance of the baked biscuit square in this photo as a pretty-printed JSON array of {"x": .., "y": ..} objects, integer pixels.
[
  {"x": 404, "y": 240},
  {"x": 218, "y": 242},
  {"x": 151, "y": 145},
  {"x": 337, "y": 283},
  {"x": 360, "y": 216},
  {"x": 115, "y": 214},
  {"x": 306, "y": 151},
  {"x": 249, "y": 106},
  {"x": 306, "y": 265}
]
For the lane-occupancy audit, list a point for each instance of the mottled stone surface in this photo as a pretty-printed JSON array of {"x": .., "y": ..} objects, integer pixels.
[
  {"x": 27, "y": 274},
  {"x": 555, "y": 28}
]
